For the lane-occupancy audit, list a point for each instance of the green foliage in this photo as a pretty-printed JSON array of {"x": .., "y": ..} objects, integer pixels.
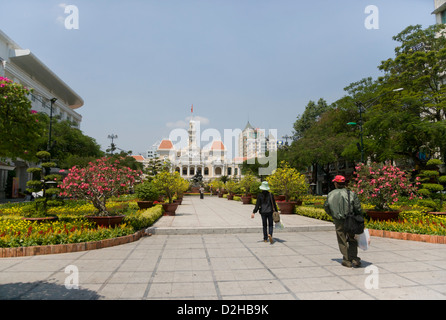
[
  {"x": 247, "y": 183},
  {"x": 143, "y": 219},
  {"x": 288, "y": 181},
  {"x": 232, "y": 186},
  {"x": 19, "y": 125},
  {"x": 147, "y": 191},
  {"x": 167, "y": 183}
]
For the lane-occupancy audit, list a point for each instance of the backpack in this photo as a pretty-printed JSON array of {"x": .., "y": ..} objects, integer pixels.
[{"x": 354, "y": 224}]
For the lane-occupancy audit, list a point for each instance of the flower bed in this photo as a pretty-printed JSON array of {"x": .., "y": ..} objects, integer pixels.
[
  {"x": 412, "y": 224},
  {"x": 72, "y": 227}
]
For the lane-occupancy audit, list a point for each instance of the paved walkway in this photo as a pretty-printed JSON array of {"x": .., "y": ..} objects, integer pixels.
[{"x": 223, "y": 256}]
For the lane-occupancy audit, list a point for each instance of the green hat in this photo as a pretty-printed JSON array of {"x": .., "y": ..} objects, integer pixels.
[{"x": 264, "y": 186}]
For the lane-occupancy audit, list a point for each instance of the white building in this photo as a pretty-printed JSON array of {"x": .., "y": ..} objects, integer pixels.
[
  {"x": 440, "y": 11},
  {"x": 210, "y": 162},
  {"x": 22, "y": 66}
]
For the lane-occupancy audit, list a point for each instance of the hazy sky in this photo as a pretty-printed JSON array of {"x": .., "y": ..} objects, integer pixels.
[{"x": 140, "y": 64}]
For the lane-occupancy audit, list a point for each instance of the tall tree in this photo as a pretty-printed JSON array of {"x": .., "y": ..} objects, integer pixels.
[
  {"x": 19, "y": 126},
  {"x": 419, "y": 67},
  {"x": 310, "y": 116}
]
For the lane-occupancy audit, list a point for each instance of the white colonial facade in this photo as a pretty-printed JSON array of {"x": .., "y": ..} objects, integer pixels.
[
  {"x": 210, "y": 162},
  {"x": 50, "y": 93}
]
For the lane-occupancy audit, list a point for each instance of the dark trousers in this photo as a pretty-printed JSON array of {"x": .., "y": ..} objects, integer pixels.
[
  {"x": 267, "y": 221},
  {"x": 347, "y": 242}
]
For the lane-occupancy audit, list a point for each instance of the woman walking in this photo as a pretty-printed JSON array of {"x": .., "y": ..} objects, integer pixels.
[{"x": 266, "y": 205}]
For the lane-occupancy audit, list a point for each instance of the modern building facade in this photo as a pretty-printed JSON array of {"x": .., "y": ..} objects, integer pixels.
[
  {"x": 254, "y": 143},
  {"x": 50, "y": 93}
]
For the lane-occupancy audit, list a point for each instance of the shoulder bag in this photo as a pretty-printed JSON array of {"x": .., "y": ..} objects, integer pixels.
[
  {"x": 354, "y": 224},
  {"x": 276, "y": 215}
]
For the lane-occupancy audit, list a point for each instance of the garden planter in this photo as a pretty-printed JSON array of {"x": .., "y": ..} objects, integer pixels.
[
  {"x": 220, "y": 194},
  {"x": 383, "y": 215},
  {"x": 246, "y": 199},
  {"x": 179, "y": 201},
  {"x": 279, "y": 198},
  {"x": 170, "y": 208},
  {"x": 438, "y": 213},
  {"x": 106, "y": 222},
  {"x": 145, "y": 204},
  {"x": 41, "y": 220},
  {"x": 287, "y": 207},
  {"x": 230, "y": 197}
]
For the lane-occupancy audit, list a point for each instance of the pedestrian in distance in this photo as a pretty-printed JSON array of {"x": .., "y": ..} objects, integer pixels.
[
  {"x": 337, "y": 206},
  {"x": 266, "y": 205},
  {"x": 201, "y": 193}
]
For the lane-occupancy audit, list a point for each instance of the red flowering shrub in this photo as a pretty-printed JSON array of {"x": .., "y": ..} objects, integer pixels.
[
  {"x": 99, "y": 181},
  {"x": 381, "y": 186}
]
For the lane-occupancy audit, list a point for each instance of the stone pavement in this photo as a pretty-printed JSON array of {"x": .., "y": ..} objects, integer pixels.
[{"x": 213, "y": 250}]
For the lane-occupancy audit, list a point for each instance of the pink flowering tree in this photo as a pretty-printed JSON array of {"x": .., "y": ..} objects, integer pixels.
[
  {"x": 99, "y": 181},
  {"x": 19, "y": 126},
  {"x": 382, "y": 186}
]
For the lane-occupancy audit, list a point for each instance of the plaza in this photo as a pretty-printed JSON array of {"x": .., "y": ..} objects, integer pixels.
[{"x": 213, "y": 250}]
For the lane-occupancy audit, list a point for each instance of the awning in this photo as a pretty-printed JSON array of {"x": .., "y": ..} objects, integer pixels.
[{"x": 29, "y": 63}]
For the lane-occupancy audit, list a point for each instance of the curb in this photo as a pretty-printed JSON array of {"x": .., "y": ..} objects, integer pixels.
[
  {"x": 408, "y": 236},
  {"x": 70, "y": 247},
  {"x": 231, "y": 230}
]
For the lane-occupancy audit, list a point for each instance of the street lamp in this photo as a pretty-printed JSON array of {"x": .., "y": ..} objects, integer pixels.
[
  {"x": 361, "y": 108},
  {"x": 112, "y": 137}
]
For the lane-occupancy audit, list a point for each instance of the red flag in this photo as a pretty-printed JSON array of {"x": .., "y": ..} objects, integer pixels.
[{"x": 192, "y": 109}]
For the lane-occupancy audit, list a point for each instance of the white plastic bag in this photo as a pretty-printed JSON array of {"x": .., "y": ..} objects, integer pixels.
[
  {"x": 279, "y": 225},
  {"x": 363, "y": 240}
]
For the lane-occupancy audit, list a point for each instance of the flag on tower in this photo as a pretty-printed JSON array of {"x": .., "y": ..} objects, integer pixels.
[{"x": 192, "y": 109}]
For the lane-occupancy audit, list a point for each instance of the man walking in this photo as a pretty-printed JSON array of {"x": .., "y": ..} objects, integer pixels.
[{"x": 337, "y": 206}]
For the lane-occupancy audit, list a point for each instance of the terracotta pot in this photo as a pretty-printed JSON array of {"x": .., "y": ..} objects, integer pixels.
[
  {"x": 230, "y": 197},
  {"x": 286, "y": 207},
  {"x": 106, "y": 222},
  {"x": 179, "y": 201},
  {"x": 383, "y": 215},
  {"x": 145, "y": 204},
  {"x": 220, "y": 194},
  {"x": 279, "y": 197},
  {"x": 41, "y": 220},
  {"x": 246, "y": 199},
  {"x": 170, "y": 208}
]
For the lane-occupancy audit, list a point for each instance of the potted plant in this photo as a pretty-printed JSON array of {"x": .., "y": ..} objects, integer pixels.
[
  {"x": 381, "y": 186},
  {"x": 167, "y": 183},
  {"x": 245, "y": 186},
  {"x": 96, "y": 183},
  {"x": 289, "y": 182},
  {"x": 182, "y": 187},
  {"x": 44, "y": 186},
  {"x": 146, "y": 193},
  {"x": 232, "y": 187}
]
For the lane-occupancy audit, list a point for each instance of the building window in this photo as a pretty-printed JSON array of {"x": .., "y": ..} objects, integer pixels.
[
  {"x": 206, "y": 171},
  {"x": 443, "y": 17},
  {"x": 184, "y": 171}
]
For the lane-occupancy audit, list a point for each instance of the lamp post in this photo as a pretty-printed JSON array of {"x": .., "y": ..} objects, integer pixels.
[
  {"x": 53, "y": 101},
  {"x": 361, "y": 108}
]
